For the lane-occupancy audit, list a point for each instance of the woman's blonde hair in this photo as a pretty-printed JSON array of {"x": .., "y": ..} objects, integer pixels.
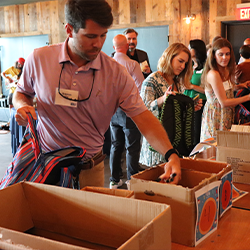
[
  {"x": 165, "y": 63},
  {"x": 211, "y": 63}
]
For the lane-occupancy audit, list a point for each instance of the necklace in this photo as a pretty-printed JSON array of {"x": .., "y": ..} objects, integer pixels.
[{"x": 224, "y": 76}]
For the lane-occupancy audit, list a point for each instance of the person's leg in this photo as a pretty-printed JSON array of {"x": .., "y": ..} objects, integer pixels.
[
  {"x": 7, "y": 125},
  {"x": 133, "y": 147},
  {"x": 117, "y": 146}
]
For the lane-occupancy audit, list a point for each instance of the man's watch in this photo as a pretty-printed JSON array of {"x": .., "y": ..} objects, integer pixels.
[{"x": 170, "y": 152}]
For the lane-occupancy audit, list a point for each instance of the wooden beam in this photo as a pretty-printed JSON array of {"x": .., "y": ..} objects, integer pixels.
[
  {"x": 146, "y": 24},
  {"x": 30, "y": 33}
]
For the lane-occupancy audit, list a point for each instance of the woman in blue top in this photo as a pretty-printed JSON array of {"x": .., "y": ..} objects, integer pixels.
[{"x": 199, "y": 55}]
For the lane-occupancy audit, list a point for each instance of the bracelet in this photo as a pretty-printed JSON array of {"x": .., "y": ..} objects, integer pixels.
[{"x": 170, "y": 152}]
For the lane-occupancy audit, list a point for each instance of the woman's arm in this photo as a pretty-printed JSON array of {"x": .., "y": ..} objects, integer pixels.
[
  {"x": 243, "y": 85},
  {"x": 149, "y": 94},
  {"x": 197, "y": 88},
  {"x": 214, "y": 79}
]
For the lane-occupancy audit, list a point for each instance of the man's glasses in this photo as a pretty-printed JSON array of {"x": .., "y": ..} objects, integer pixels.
[{"x": 71, "y": 99}]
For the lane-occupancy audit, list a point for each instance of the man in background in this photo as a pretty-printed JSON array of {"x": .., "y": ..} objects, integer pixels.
[
  {"x": 136, "y": 54},
  {"x": 122, "y": 128},
  {"x": 246, "y": 42},
  {"x": 242, "y": 72}
]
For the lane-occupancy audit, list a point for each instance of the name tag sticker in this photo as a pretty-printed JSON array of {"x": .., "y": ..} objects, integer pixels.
[
  {"x": 59, "y": 100},
  {"x": 227, "y": 85}
]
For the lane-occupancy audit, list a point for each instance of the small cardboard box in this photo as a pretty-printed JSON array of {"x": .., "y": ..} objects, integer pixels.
[
  {"x": 195, "y": 175},
  {"x": 233, "y": 147},
  {"x": 207, "y": 154},
  {"x": 50, "y": 217},
  {"x": 108, "y": 191}
]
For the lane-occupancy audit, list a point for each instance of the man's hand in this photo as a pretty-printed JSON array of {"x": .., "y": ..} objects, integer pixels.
[
  {"x": 172, "y": 166},
  {"x": 21, "y": 115}
]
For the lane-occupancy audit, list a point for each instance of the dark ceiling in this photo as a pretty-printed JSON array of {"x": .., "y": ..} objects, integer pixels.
[{"x": 13, "y": 2}]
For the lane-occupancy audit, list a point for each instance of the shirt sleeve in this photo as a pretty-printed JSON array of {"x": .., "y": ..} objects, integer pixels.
[
  {"x": 130, "y": 100},
  {"x": 238, "y": 73},
  {"x": 137, "y": 75},
  {"x": 149, "y": 96},
  {"x": 25, "y": 84},
  {"x": 8, "y": 71}
]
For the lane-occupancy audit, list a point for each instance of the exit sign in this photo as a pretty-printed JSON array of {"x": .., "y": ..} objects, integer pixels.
[{"x": 243, "y": 12}]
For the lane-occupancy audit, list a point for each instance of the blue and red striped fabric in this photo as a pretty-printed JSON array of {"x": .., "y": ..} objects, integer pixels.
[{"x": 29, "y": 163}]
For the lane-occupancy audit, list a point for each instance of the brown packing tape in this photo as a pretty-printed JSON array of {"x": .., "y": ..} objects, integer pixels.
[{"x": 115, "y": 192}]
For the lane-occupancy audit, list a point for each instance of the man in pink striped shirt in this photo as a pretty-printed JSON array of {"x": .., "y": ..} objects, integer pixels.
[{"x": 78, "y": 89}]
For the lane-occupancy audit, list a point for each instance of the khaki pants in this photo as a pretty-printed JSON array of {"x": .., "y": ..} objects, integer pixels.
[{"x": 93, "y": 176}]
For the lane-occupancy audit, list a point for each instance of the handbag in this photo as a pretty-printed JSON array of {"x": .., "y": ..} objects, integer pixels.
[
  {"x": 177, "y": 118},
  {"x": 31, "y": 164}
]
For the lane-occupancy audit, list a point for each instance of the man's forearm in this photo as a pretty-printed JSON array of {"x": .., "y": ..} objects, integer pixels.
[{"x": 20, "y": 100}]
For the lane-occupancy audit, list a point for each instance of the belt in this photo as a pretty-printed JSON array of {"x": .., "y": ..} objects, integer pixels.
[{"x": 90, "y": 163}]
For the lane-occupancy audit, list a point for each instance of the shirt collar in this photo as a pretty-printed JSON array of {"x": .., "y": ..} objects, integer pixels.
[{"x": 64, "y": 57}]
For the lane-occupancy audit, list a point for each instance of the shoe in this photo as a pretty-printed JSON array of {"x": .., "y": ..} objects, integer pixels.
[
  {"x": 140, "y": 168},
  {"x": 127, "y": 182},
  {"x": 5, "y": 127},
  {"x": 115, "y": 185}
]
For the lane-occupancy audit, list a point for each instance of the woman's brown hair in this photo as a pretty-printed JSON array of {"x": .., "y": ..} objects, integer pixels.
[
  {"x": 165, "y": 63},
  {"x": 212, "y": 64}
]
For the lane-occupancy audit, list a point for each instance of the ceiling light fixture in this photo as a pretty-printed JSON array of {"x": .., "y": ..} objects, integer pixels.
[{"x": 189, "y": 18}]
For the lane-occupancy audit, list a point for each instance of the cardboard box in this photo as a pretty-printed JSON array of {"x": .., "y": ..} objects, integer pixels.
[
  {"x": 50, "y": 217},
  {"x": 207, "y": 154},
  {"x": 108, "y": 191},
  {"x": 234, "y": 148},
  {"x": 195, "y": 175}
]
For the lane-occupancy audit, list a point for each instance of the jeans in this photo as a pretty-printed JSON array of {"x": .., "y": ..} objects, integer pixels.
[{"x": 124, "y": 132}]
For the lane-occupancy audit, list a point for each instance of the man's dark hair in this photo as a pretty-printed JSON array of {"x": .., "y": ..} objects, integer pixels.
[
  {"x": 245, "y": 51},
  {"x": 127, "y": 31},
  {"x": 78, "y": 11}
]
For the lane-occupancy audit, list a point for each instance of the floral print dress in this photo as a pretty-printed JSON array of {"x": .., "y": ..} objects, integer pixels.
[
  {"x": 215, "y": 117},
  {"x": 153, "y": 87}
]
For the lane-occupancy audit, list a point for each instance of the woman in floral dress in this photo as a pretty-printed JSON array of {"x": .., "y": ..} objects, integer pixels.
[
  {"x": 218, "y": 75},
  {"x": 174, "y": 71}
]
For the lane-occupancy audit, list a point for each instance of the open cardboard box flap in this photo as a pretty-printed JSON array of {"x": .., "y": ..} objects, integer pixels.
[
  {"x": 233, "y": 139},
  {"x": 111, "y": 221},
  {"x": 14, "y": 240},
  {"x": 240, "y": 128},
  {"x": 234, "y": 148}
]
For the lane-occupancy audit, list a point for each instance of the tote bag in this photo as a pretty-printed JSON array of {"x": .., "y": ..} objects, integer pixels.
[{"x": 30, "y": 164}]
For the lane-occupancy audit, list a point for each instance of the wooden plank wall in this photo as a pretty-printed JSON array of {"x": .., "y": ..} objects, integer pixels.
[
  {"x": 30, "y": 19},
  {"x": 48, "y": 17}
]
